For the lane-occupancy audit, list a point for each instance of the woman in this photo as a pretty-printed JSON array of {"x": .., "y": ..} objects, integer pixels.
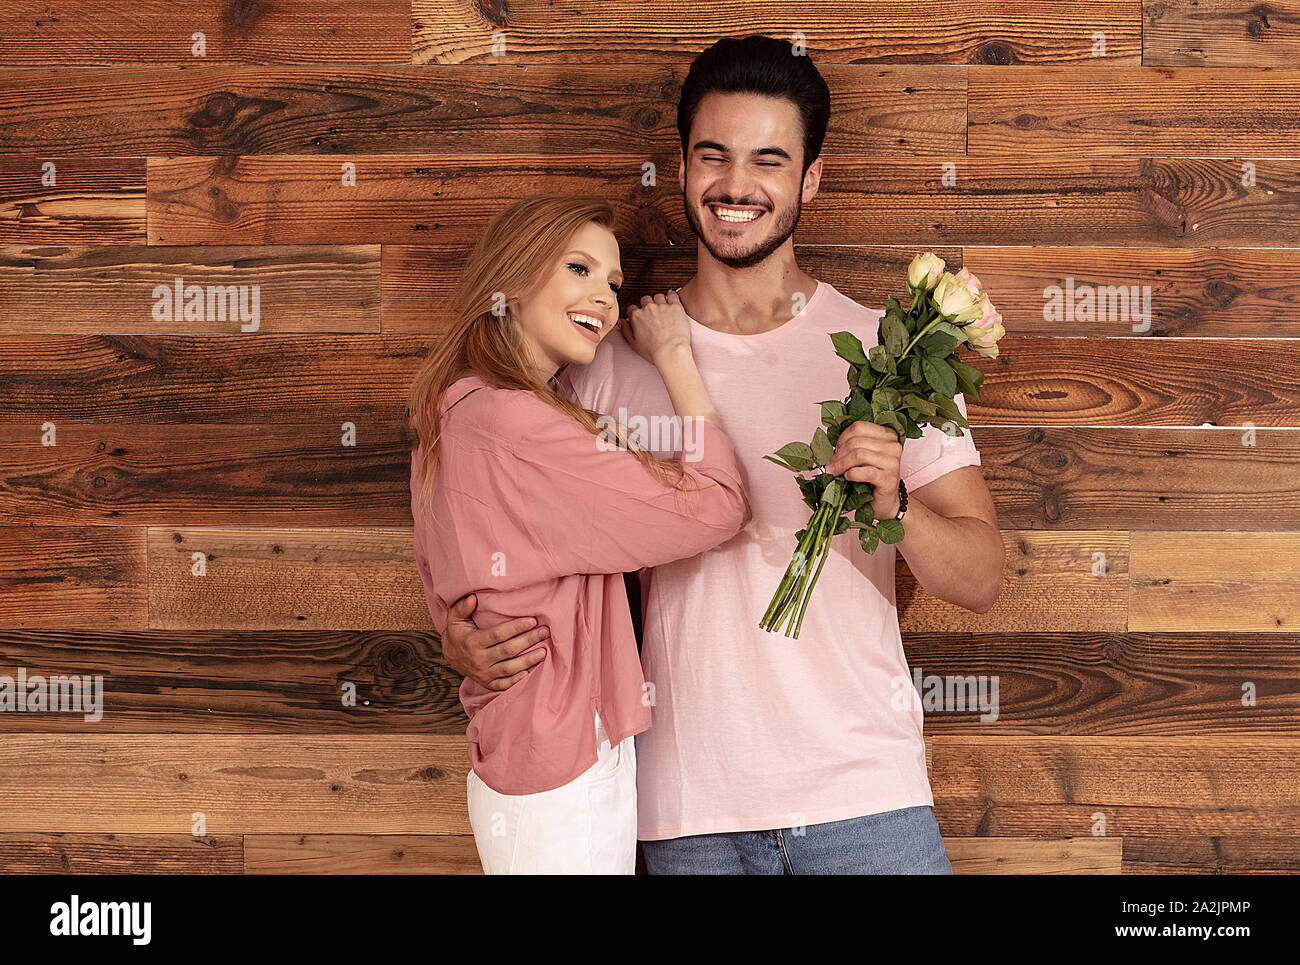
[{"x": 520, "y": 496}]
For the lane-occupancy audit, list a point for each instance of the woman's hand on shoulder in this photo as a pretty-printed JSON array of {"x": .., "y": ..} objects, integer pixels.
[{"x": 657, "y": 327}]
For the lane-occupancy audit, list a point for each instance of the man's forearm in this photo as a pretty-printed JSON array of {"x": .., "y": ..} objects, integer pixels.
[{"x": 957, "y": 560}]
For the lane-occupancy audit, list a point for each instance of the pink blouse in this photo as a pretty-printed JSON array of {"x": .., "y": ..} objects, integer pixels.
[{"x": 539, "y": 517}]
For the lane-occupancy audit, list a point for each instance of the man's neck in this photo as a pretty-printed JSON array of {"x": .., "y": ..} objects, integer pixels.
[{"x": 746, "y": 301}]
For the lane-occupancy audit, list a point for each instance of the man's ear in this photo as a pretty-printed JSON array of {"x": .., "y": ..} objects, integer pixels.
[{"x": 812, "y": 180}]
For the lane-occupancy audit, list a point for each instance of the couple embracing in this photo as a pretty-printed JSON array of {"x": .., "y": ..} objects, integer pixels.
[{"x": 723, "y": 748}]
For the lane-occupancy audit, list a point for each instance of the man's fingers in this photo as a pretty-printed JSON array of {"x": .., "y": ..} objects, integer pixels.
[
  {"x": 463, "y": 607},
  {"x": 511, "y": 668},
  {"x": 491, "y": 636},
  {"x": 505, "y": 683},
  {"x": 517, "y": 645}
]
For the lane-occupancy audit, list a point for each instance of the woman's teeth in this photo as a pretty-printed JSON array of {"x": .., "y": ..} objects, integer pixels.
[
  {"x": 734, "y": 214},
  {"x": 589, "y": 321}
]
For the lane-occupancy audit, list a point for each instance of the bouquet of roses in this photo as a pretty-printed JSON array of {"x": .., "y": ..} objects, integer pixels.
[{"x": 908, "y": 378}]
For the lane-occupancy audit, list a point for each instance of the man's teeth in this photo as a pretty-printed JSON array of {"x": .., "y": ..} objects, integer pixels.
[
  {"x": 733, "y": 214},
  {"x": 591, "y": 321}
]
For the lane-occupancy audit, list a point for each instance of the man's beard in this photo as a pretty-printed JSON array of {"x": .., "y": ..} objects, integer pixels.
[{"x": 783, "y": 229}]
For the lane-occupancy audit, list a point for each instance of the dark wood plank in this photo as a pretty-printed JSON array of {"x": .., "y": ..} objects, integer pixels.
[
  {"x": 1078, "y": 111},
  {"x": 445, "y": 199},
  {"x": 1108, "y": 684},
  {"x": 35, "y": 852},
  {"x": 72, "y": 576},
  {"x": 1173, "y": 787},
  {"x": 1165, "y": 292},
  {"x": 871, "y": 31},
  {"x": 1255, "y": 854},
  {"x": 1142, "y": 479},
  {"x": 1220, "y": 33},
  {"x": 155, "y": 783},
  {"x": 286, "y": 474},
  {"x": 232, "y": 682},
  {"x": 134, "y": 289},
  {"x": 83, "y": 32},
  {"x": 479, "y": 109},
  {"x": 1139, "y": 382},
  {"x": 97, "y": 200},
  {"x": 355, "y": 854}
]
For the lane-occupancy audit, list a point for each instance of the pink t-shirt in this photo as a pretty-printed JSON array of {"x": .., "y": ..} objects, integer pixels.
[
  {"x": 532, "y": 513},
  {"x": 755, "y": 730}
]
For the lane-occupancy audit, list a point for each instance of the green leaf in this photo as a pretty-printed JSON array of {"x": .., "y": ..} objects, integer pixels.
[
  {"x": 849, "y": 347},
  {"x": 859, "y": 407},
  {"x": 865, "y": 514},
  {"x": 869, "y": 543},
  {"x": 832, "y": 492},
  {"x": 886, "y": 397},
  {"x": 822, "y": 449},
  {"x": 782, "y": 463},
  {"x": 914, "y": 401},
  {"x": 889, "y": 418},
  {"x": 811, "y": 491},
  {"x": 893, "y": 334},
  {"x": 841, "y": 526},
  {"x": 917, "y": 375},
  {"x": 859, "y": 495},
  {"x": 939, "y": 375},
  {"x": 879, "y": 358},
  {"x": 910, "y": 429},
  {"x": 938, "y": 344},
  {"x": 834, "y": 412},
  {"x": 969, "y": 378},
  {"x": 798, "y": 537},
  {"x": 955, "y": 331},
  {"x": 833, "y": 432},
  {"x": 867, "y": 378},
  {"x": 890, "y": 530},
  {"x": 797, "y": 454}
]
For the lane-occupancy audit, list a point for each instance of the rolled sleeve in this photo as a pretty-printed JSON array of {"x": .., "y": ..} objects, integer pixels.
[{"x": 936, "y": 453}]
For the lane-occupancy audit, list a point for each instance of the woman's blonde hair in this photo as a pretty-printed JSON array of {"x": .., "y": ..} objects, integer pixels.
[{"x": 514, "y": 257}]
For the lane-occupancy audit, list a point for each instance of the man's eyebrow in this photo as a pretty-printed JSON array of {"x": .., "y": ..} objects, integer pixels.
[
  {"x": 618, "y": 275},
  {"x": 757, "y": 152}
]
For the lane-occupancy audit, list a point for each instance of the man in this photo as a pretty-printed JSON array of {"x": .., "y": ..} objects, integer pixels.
[{"x": 769, "y": 754}]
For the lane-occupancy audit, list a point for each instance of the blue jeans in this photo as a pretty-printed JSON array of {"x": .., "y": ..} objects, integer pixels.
[{"x": 906, "y": 841}]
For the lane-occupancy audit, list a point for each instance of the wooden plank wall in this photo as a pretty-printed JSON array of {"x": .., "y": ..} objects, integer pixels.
[{"x": 1147, "y": 641}]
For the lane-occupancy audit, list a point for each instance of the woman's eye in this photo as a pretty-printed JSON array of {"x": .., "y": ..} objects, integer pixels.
[{"x": 583, "y": 270}]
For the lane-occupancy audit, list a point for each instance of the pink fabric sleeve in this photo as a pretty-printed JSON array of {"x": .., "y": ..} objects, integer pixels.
[
  {"x": 936, "y": 453},
  {"x": 591, "y": 508}
]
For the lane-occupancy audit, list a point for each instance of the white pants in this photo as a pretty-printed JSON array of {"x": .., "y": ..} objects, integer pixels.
[{"x": 587, "y": 826}]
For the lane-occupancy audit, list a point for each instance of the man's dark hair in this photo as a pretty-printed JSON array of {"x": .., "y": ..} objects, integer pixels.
[{"x": 758, "y": 65}]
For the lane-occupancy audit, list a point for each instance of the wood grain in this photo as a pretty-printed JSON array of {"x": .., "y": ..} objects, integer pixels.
[
  {"x": 1078, "y": 111},
  {"x": 157, "y": 783},
  {"x": 1215, "y": 582},
  {"x": 441, "y": 199},
  {"x": 871, "y": 31},
  {"x": 91, "y": 200},
  {"x": 237, "y": 682},
  {"x": 1161, "y": 786},
  {"x": 72, "y": 576},
  {"x": 82, "y": 32},
  {"x": 33, "y": 852},
  {"x": 115, "y": 289},
  {"x": 480, "y": 109},
  {"x": 1220, "y": 33}
]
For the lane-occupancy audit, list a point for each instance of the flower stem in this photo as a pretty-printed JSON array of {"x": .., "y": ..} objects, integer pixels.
[{"x": 826, "y": 551}]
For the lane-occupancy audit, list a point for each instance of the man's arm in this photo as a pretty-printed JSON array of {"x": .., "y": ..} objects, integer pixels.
[{"x": 951, "y": 540}]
